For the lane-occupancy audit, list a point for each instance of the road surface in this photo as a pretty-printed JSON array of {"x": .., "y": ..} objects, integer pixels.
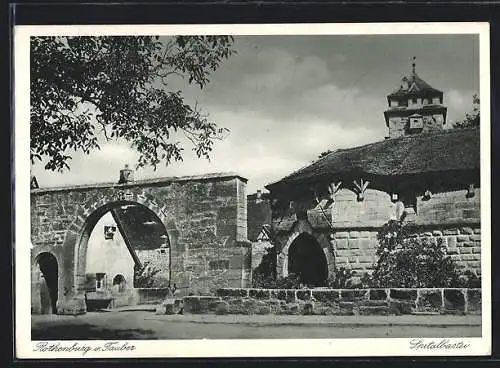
[{"x": 133, "y": 325}]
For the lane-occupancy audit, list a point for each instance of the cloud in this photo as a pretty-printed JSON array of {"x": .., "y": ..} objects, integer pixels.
[
  {"x": 287, "y": 99},
  {"x": 459, "y": 103}
]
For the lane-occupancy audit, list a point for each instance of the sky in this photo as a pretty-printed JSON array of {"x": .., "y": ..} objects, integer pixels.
[{"x": 286, "y": 99}]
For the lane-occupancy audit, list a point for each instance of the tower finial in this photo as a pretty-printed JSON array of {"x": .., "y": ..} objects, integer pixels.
[{"x": 413, "y": 64}]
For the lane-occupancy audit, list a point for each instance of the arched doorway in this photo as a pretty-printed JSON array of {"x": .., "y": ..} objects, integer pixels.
[
  {"x": 307, "y": 259},
  {"x": 48, "y": 282},
  {"x": 120, "y": 242},
  {"x": 119, "y": 283}
]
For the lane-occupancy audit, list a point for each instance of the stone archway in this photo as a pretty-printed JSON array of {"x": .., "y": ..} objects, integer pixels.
[
  {"x": 307, "y": 259},
  {"x": 46, "y": 283},
  {"x": 304, "y": 227},
  {"x": 77, "y": 237}
]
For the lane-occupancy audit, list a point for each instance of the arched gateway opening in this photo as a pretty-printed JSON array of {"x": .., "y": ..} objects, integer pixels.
[
  {"x": 307, "y": 259},
  {"x": 48, "y": 282},
  {"x": 118, "y": 240}
]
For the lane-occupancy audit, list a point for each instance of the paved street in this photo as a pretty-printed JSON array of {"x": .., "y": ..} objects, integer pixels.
[{"x": 146, "y": 325}]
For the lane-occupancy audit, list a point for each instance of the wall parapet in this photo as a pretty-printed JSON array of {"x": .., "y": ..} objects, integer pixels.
[{"x": 325, "y": 301}]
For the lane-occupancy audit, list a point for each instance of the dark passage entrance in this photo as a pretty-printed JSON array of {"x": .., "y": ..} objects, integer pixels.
[
  {"x": 306, "y": 259},
  {"x": 49, "y": 284}
]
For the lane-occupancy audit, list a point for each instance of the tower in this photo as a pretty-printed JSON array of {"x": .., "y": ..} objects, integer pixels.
[{"x": 414, "y": 107}]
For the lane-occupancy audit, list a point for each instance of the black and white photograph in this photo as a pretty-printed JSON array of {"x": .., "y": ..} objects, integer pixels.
[{"x": 220, "y": 191}]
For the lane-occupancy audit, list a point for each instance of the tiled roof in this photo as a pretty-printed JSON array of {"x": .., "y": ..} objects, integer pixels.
[
  {"x": 447, "y": 150},
  {"x": 416, "y": 86}
]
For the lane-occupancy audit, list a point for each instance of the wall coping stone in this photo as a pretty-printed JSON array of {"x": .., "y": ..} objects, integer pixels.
[{"x": 141, "y": 183}]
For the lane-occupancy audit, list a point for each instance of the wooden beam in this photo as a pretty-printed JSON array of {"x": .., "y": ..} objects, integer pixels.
[{"x": 121, "y": 228}]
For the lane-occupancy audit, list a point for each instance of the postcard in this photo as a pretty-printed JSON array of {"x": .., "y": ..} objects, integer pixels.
[{"x": 270, "y": 190}]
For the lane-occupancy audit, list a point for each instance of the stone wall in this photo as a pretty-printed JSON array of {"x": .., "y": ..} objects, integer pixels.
[
  {"x": 337, "y": 301},
  {"x": 453, "y": 216},
  {"x": 204, "y": 216}
]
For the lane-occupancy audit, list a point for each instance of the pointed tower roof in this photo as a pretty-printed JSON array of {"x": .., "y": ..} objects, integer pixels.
[{"x": 414, "y": 85}]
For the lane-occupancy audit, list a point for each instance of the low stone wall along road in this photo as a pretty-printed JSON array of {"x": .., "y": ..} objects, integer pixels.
[{"x": 135, "y": 325}]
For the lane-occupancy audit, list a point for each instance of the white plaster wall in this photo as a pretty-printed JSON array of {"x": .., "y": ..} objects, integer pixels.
[{"x": 109, "y": 256}]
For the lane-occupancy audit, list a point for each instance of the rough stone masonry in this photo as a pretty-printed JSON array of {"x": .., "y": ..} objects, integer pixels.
[{"x": 204, "y": 217}]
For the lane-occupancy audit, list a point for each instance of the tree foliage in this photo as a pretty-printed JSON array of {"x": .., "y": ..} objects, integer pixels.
[
  {"x": 472, "y": 120},
  {"x": 85, "y": 89},
  {"x": 410, "y": 262}
]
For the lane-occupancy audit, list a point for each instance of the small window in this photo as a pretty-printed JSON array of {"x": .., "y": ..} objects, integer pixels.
[
  {"x": 414, "y": 101},
  {"x": 100, "y": 281},
  {"x": 109, "y": 232}
]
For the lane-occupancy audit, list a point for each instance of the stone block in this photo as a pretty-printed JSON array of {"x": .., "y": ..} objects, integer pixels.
[
  {"x": 454, "y": 300},
  {"x": 364, "y": 243},
  {"x": 328, "y": 297},
  {"x": 468, "y": 244},
  {"x": 222, "y": 308},
  {"x": 378, "y": 294},
  {"x": 451, "y": 232},
  {"x": 307, "y": 308},
  {"x": 342, "y": 244},
  {"x": 263, "y": 309},
  {"x": 342, "y": 260},
  {"x": 358, "y": 266},
  {"x": 303, "y": 294},
  {"x": 341, "y": 235},
  {"x": 353, "y": 295},
  {"x": 465, "y": 254},
  {"x": 200, "y": 304},
  {"x": 402, "y": 307},
  {"x": 476, "y": 250},
  {"x": 354, "y": 234},
  {"x": 374, "y": 310},
  {"x": 365, "y": 259},
  {"x": 466, "y": 230},
  {"x": 233, "y": 293},
  {"x": 429, "y": 300},
  {"x": 403, "y": 294},
  {"x": 474, "y": 301},
  {"x": 451, "y": 241},
  {"x": 474, "y": 264},
  {"x": 437, "y": 233},
  {"x": 347, "y": 308},
  {"x": 326, "y": 311},
  {"x": 292, "y": 308},
  {"x": 373, "y": 303},
  {"x": 354, "y": 243},
  {"x": 287, "y": 295},
  {"x": 462, "y": 238},
  {"x": 475, "y": 238},
  {"x": 452, "y": 250},
  {"x": 161, "y": 309},
  {"x": 242, "y": 306},
  {"x": 259, "y": 293},
  {"x": 477, "y": 231},
  {"x": 170, "y": 306}
]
